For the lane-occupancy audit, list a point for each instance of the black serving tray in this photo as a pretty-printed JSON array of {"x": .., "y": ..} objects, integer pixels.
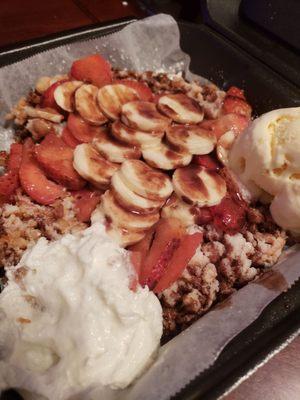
[
  {"x": 248, "y": 24},
  {"x": 217, "y": 58}
]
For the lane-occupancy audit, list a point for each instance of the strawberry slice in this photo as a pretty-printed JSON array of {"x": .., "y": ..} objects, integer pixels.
[
  {"x": 33, "y": 179},
  {"x": 47, "y": 99},
  {"x": 69, "y": 139},
  {"x": 85, "y": 203},
  {"x": 237, "y": 106},
  {"x": 143, "y": 246},
  {"x": 166, "y": 240},
  {"x": 15, "y": 157},
  {"x": 219, "y": 126},
  {"x": 94, "y": 69},
  {"x": 9, "y": 182},
  {"x": 180, "y": 259},
  {"x": 235, "y": 103},
  {"x": 56, "y": 158},
  {"x": 81, "y": 130},
  {"x": 236, "y": 92},
  {"x": 143, "y": 91},
  {"x": 138, "y": 254},
  {"x": 228, "y": 216},
  {"x": 207, "y": 162}
]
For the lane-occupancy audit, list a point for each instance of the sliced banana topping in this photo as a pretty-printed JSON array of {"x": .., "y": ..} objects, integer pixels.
[
  {"x": 39, "y": 127},
  {"x": 45, "y": 113},
  {"x": 64, "y": 94},
  {"x": 131, "y": 201},
  {"x": 134, "y": 136},
  {"x": 44, "y": 82},
  {"x": 164, "y": 157},
  {"x": 124, "y": 218},
  {"x": 87, "y": 106},
  {"x": 198, "y": 185},
  {"x": 111, "y": 98},
  {"x": 124, "y": 237},
  {"x": 176, "y": 208},
  {"x": 146, "y": 181},
  {"x": 144, "y": 116},
  {"x": 181, "y": 108},
  {"x": 92, "y": 167},
  {"x": 224, "y": 145},
  {"x": 114, "y": 150},
  {"x": 191, "y": 138}
]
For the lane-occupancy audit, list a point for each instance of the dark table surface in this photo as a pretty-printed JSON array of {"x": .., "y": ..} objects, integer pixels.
[{"x": 22, "y": 20}]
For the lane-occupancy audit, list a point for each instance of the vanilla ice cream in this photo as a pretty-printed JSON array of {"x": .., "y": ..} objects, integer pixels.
[
  {"x": 267, "y": 159},
  {"x": 69, "y": 322}
]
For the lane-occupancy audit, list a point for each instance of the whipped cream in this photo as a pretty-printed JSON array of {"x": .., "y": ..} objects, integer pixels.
[{"x": 69, "y": 322}]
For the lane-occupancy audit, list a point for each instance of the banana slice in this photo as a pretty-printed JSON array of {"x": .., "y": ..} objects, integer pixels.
[
  {"x": 112, "y": 97},
  {"x": 191, "y": 138},
  {"x": 64, "y": 94},
  {"x": 87, "y": 106},
  {"x": 135, "y": 136},
  {"x": 176, "y": 208},
  {"x": 39, "y": 128},
  {"x": 124, "y": 237},
  {"x": 181, "y": 108},
  {"x": 92, "y": 167},
  {"x": 146, "y": 181},
  {"x": 164, "y": 157},
  {"x": 198, "y": 185},
  {"x": 44, "y": 82},
  {"x": 224, "y": 145},
  {"x": 113, "y": 150},
  {"x": 45, "y": 113},
  {"x": 144, "y": 116},
  {"x": 131, "y": 201},
  {"x": 125, "y": 218}
]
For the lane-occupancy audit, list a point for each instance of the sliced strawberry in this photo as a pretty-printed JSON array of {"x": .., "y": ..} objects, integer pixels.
[
  {"x": 206, "y": 161},
  {"x": 156, "y": 97},
  {"x": 94, "y": 69},
  {"x": 229, "y": 216},
  {"x": 33, "y": 179},
  {"x": 47, "y": 99},
  {"x": 236, "y": 92},
  {"x": 144, "y": 245},
  {"x": 180, "y": 259},
  {"x": 81, "y": 130},
  {"x": 15, "y": 157},
  {"x": 85, "y": 203},
  {"x": 219, "y": 126},
  {"x": 9, "y": 183},
  {"x": 141, "y": 88},
  {"x": 56, "y": 158},
  {"x": 69, "y": 139},
  {"x": 166, "y": 240},
  {"x": 203, "y": 215},
  {"x": 236, "y": 105}
]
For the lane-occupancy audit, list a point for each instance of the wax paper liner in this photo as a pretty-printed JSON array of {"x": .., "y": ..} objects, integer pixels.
[{"x": 154, "y": 44}]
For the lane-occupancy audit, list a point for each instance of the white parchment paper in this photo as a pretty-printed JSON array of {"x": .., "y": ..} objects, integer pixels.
[{"x": 153, "y": 44}]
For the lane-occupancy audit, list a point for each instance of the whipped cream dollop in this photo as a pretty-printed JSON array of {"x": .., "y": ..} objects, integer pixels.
[{"x": 70, "y": 323}]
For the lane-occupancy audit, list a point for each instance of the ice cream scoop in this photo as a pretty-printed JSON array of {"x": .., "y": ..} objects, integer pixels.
[
  {"x": 267, "y": 154},
  {"x": 266, "y": 157}
]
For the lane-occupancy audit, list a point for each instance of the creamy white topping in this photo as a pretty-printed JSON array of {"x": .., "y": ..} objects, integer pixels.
[{"x": 70, "y": 323}]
